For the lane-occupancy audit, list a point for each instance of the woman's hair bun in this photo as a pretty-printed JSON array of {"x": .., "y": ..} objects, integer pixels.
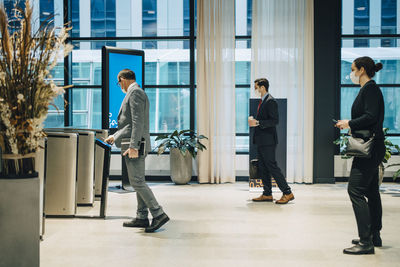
[{"x": 378, "y": 66}]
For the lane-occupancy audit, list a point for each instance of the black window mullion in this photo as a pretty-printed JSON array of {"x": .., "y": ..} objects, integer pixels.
[
  {"x": 166, "y": 86},
  {"x": 129, "y": 38},
  {"x": 192, "y": 64},
  {"x": 86, "y": 86},
  {"x": 67, "y": 71}
]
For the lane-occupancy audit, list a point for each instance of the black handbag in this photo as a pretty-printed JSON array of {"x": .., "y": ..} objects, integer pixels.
[
  {"x": 253, "y": 170},
  {"x": 359, "y": 144}
]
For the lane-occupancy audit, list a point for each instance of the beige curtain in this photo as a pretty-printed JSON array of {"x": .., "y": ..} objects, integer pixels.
[
  {"x": 216, "y": 89},
  {"x": 282, "y": 51}
]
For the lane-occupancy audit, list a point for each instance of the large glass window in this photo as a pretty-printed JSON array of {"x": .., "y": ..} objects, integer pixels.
[
  {"x": 136, "y": 24},
  {"x": 243, "y": 19},
  {"x": 169, "y": 72},
  {"x": 167, "y": 66},
  {"x": 169, "y": 109},
  {"x": 55, "y": 116},
  {"x": 370, "y": 28},
  {"x": 86, "y": 108}
]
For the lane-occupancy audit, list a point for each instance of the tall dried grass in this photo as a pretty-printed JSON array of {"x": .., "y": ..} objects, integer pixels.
[{"x": 26, "y": 85}]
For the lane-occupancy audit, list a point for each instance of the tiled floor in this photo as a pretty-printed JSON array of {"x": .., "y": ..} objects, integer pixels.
[{"x": 218, "y": 225}]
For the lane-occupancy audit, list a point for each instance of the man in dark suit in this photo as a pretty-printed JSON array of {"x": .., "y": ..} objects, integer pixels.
[{"x": 266, "y": 139}]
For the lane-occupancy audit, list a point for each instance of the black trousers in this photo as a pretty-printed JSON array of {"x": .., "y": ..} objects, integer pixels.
[
  {"x": 363, "y": 185},
  {"x": 267, "y": 167}
]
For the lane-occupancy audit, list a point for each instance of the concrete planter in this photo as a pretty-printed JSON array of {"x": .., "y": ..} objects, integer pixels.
[
  {"x": 19, "y": 222},
  {"x": 180, "y": 166}
]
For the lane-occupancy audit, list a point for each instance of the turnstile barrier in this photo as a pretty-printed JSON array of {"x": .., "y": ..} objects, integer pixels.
[{"x": 61, "y": 162}]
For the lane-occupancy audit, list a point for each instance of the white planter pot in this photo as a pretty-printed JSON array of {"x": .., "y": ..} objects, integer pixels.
[
  {"x": 19, "y": 222},
  {"x": 180, "y": 166}
]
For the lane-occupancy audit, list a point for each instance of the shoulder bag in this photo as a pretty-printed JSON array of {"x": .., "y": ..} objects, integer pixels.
[{"x": 359, "y": 144}]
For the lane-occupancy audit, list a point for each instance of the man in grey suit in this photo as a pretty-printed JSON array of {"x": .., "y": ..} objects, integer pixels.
[{"x": 133, "y": 130}]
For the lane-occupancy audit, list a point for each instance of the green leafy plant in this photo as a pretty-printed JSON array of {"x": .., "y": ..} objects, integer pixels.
[
  {"x": 341, "y": 142},
  {"x": 397, "y": 173},
  {"x": 185, "y": 140},
  {"x": 390, "y": 148}
]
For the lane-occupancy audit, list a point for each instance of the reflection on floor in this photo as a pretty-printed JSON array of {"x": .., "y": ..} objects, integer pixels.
[{"x": 218, "y": 225}]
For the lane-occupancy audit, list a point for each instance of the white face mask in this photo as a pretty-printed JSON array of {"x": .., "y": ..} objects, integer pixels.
[{"x": 355, "y": 79}]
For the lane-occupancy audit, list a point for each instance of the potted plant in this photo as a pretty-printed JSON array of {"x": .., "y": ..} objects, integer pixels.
[
  {"x": 183, "y": 146},
  {"x": 26, "y": 91},
  {"x": 390, "y": 147}
]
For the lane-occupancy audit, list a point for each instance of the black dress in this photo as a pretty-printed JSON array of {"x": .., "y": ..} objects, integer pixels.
[{"x": 367, "y": 113}]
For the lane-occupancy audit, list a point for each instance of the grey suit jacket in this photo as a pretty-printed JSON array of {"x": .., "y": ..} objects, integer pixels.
[{"x": 133, "y": 118}]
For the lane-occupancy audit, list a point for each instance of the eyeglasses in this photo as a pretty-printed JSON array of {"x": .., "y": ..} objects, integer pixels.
[{"x": 118, "y": 83}]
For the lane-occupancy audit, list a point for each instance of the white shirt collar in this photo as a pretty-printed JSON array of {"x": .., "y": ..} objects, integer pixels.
[
  {"x": 264, "y": 97},
  {"x": 131, "y": 86}
]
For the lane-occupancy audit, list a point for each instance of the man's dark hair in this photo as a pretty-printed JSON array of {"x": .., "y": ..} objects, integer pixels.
[
  {"x": 127, "y": 74},
  {"x": 369, "y": 65},
  {"x": 262, "y": 82}
]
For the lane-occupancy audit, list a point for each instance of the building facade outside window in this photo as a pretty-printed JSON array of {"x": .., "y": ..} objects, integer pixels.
[
  {"x": 372, "y": 28},
  {"x": 168, "y": 62}
]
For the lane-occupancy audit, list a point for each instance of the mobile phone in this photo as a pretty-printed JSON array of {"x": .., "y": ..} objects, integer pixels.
[{"x": 335, "y": 121}]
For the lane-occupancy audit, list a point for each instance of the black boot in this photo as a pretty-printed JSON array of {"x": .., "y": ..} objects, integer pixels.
[
  {"x": 376, "y": 239},
  {"x": 360, "y": 248},
  {"x": 157, "y": 222},
  {"x": 138, "y": 223}
]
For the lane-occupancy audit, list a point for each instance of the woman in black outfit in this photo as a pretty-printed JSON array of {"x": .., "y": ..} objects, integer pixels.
[{"x": 367, "y": 113}]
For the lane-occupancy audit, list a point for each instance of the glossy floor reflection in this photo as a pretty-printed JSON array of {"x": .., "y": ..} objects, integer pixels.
[{"x": 218, "y": 225}]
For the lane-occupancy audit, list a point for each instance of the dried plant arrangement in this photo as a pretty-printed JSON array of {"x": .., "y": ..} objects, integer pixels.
[{"x": 26, "y": 85}]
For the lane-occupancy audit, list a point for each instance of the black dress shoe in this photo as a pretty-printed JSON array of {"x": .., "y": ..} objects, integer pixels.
[
  {"x": 360, "y": 249},
  {"x": 138, "y": 223},
  {"x": 157, "y": 222},
  {"x": 376, "y": 240}
]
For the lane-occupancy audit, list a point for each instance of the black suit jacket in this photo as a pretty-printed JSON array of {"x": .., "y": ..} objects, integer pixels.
[{"x": 265, "y": 134}]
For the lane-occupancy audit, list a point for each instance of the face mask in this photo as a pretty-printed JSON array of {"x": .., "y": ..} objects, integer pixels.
[{"x": 355, "y": 79}]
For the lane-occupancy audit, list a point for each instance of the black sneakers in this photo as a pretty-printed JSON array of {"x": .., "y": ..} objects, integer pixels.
[
  {"x": 138, "y": 223},
  {"x": 156, "y": 223}
]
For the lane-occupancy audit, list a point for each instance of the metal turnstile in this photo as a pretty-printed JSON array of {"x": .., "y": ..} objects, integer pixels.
[
  {"x": 98, "y": 161},
  {"x": 102, "y": 170},
  {"x": 40, "y": 167},
  {"x": 105, "y": 174},
  {"x": 85, "y": 168},
  {"x": 85, "y": 178},
  {"x": 83, "y": 184},
  {"x": 61, "y": 173}
]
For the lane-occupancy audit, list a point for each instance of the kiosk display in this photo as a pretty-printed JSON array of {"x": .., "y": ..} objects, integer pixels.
[{"x": 114, "y": 60}]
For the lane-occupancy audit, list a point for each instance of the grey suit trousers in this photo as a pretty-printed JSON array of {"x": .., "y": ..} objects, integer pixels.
[{"x": 145, "y": 198}]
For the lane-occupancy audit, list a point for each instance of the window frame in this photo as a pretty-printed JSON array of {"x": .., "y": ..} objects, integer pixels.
[{"x": 68, "y": 112}]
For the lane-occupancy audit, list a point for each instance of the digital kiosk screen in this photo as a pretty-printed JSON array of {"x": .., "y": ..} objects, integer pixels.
[{"x": 114, "y": 60}]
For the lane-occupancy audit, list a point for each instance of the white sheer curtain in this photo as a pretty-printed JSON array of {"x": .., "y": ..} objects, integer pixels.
[
  {"x": 282, "y": 51},
  {"x": 216, "y": 89}
]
